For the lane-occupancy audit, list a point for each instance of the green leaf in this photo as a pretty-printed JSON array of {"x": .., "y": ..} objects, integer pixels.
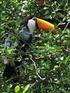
[
  {"x": 26, "y": 88},
  {"x": 9, "y": 51},
  {"x": 17, "y": 89}
]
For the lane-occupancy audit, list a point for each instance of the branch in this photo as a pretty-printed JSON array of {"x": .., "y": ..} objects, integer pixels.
[
  {"x": 66, "y": 26},
  {"x": 36, "y": 68}
]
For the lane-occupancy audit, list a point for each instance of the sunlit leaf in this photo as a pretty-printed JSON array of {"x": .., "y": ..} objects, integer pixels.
[{"x": 26, "y": 88}]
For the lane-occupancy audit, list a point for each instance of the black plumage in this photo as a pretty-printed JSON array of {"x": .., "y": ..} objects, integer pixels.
[{"x": 9, "y": 71}]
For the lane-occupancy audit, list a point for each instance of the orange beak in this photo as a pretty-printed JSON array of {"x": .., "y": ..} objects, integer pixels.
[{"x": 44, "y": 25}]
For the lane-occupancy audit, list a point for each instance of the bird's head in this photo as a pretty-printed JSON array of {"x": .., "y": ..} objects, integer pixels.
[{"x": 41, "y": 25}]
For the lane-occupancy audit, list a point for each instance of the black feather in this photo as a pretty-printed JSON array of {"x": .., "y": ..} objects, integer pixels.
[{"x": 9, "y": 71}]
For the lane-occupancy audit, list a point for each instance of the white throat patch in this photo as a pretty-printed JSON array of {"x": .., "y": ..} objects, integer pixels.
[{"x": 31, "y": 25}]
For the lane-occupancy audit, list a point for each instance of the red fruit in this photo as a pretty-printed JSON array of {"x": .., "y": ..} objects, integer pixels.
[{"x": 40, "y": 1}]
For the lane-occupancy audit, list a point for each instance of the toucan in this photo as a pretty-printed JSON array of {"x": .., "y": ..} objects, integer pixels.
[{"x": 25, "y": 37}]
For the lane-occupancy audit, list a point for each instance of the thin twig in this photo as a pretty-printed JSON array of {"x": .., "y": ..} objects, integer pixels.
[
  {"x": 36, "y": 69},
  {"x": 66, "y": 26}
]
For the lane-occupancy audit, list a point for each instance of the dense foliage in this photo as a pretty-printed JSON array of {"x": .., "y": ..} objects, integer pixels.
[{"x": 45, "y": 66}]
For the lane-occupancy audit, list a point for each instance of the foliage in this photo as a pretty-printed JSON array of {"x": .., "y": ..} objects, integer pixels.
[{"x": 45, "y": 65}]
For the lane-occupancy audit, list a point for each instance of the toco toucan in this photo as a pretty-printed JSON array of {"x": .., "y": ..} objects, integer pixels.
[{"x": 25, "y": 37}]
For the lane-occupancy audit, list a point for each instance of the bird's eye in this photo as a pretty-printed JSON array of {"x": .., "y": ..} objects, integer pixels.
[{"x": 34, "y": 18}]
